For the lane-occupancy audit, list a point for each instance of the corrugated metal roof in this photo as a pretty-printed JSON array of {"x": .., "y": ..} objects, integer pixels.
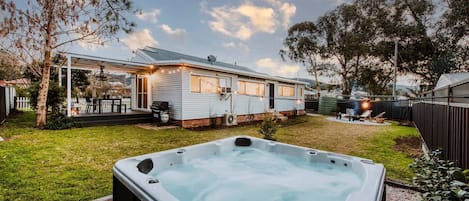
[
  {"x": 165, "y": 55},
  {"x": 451, "y": 78}
]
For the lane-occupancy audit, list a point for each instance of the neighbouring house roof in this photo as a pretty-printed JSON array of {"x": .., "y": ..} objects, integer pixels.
[
  {"x": 165, "y": 57},
  {"x": 21, "y": 81},
  {"x": 451, "y": 78}
]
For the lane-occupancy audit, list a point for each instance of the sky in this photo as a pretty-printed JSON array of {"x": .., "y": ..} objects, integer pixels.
[{"x": 246, "y": 32}]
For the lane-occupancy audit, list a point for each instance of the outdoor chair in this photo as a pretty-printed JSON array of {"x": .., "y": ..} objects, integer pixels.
[
  {"x": 350, "y": 114},
  {"x": 379, "y": 118},
  {"x": 90, "y": 105},
  {"x": 366, "y": 115}
]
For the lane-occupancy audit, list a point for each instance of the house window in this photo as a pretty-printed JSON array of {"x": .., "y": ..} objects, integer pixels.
[
  {"x": 251, "y": 88},
  {"x": 301, "y": 91},
  {"x": 286, "y": 91},
  {"x": 202, "y": 84}
]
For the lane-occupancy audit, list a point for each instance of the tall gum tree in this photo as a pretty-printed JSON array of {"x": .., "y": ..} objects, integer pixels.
[
  {"x": 301, "y": 45},
  {"x": 36, "y": 29}
]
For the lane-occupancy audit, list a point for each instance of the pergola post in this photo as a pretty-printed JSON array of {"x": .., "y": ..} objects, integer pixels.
[
  {"x": 60, "y": 76},
  {"x": 69, "y": 85}
]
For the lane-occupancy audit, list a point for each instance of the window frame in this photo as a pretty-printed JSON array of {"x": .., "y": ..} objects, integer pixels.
[
  {"x": 281, "y": 94},
  {"x": 260, "y": 84},
  {"x": 200, "y": 84}
]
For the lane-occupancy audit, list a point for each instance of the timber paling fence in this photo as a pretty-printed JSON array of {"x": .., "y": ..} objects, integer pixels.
[{"x": 22, "y": 103}]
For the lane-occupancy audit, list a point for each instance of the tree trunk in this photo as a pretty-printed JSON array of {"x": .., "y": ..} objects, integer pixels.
[
  {"x": 41, "y": 113},
  {"x": 318, "y": 88}
]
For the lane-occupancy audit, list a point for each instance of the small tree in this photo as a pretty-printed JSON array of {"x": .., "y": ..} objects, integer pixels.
[
  {"x": 55, "y": 93},
  {"x": 42, "y": 26},
  {"x": 268, "y": 127}
]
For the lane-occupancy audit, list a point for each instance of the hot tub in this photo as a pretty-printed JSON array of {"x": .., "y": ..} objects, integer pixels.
[{"x": 247, "y": 168}]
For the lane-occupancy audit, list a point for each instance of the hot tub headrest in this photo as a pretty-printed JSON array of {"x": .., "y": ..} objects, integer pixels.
[
  {"x": 145, "y": 166},
  {"x": 243, "y": 142}
]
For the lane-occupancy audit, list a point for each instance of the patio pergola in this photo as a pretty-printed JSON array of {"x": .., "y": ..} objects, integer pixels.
[{"x": 87, "y": 62}]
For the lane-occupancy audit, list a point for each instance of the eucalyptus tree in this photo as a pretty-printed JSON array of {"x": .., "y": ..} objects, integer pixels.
[
  {"x": 39, "y": 27},
  {"x": 345, "y": 34},
  {"x": 301, "y": 45},
  {"x": 425, "y": 48}
]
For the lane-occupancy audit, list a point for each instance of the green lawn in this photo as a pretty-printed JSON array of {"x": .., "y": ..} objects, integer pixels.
[{"x": 76, "y": 164}]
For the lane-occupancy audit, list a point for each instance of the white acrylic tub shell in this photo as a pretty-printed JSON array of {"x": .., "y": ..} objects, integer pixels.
[{"x": 140, "y": 184}]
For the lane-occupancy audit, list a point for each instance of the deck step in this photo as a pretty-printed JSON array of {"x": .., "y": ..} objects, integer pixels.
[{"x": 106, "y": 120}]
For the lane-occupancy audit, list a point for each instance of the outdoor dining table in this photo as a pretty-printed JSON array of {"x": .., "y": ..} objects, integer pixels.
[{"x": 114, "y": 100}]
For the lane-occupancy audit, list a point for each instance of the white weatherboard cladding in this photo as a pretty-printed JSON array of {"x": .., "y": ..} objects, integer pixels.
[
  {"x": 282, "y": 104},
  {"x": 202, "y": 105},
  {"x": 250, "y": 104},
  {"x": 205, "y": 105},
  {"x": 167, "y": 87}
]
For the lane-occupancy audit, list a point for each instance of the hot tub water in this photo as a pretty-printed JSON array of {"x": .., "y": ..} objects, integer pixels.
[{"x": 252, "y": 174}]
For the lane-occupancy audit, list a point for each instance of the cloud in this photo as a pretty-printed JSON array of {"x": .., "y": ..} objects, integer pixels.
[
  {"x": 286, "y": 10},
  {"x": 261, "y": 18},
  {"x": 286, "y": 69},
  {"x": 281, "y": 69},
  {"x": 243, "y": 21},
  {"x": 266, "y": 63},
  {"x": 175, "y": 33},
  {"x": 243, "y": 47},
  {"x": 91, "y": 46},
  {"x": 151, "y": 16},
  {"x": 140, "y": 39}
]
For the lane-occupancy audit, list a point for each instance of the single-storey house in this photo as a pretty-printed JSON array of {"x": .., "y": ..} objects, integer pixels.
[{"x": 199, "y": 90}]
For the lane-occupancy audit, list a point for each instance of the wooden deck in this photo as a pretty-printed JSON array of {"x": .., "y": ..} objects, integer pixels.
[{"x": 95, "y": 119}]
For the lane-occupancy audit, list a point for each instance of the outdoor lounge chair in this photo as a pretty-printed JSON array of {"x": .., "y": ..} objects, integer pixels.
[
  {"x": 379, "y": 118},
  {"x": 366, "y": 115}
]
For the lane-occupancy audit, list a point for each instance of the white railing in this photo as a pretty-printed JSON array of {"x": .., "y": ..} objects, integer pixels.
[{"x": 23, "y": 103}]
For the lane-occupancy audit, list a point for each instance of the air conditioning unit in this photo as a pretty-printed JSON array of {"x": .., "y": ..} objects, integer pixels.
[{"x": 230, "y": 119}]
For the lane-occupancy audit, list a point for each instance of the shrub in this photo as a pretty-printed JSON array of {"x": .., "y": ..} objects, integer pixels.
[
  {"x": 268, "y": 127},
  {"x": 55, "y": 96},
  {"x": 21, "y": 92},
  {"x": 440, "y": 179},
  {"x": 59, "y": 122}
]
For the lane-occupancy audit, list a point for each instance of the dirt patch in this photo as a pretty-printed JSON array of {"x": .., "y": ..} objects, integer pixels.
[
  {"x": 406, "y": 123},
  {"x": 411, "y": 145},
  {"x": 154, "y": 127}
]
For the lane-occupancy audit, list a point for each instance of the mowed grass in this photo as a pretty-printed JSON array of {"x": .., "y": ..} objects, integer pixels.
[{"x": 76, "y": 164}]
